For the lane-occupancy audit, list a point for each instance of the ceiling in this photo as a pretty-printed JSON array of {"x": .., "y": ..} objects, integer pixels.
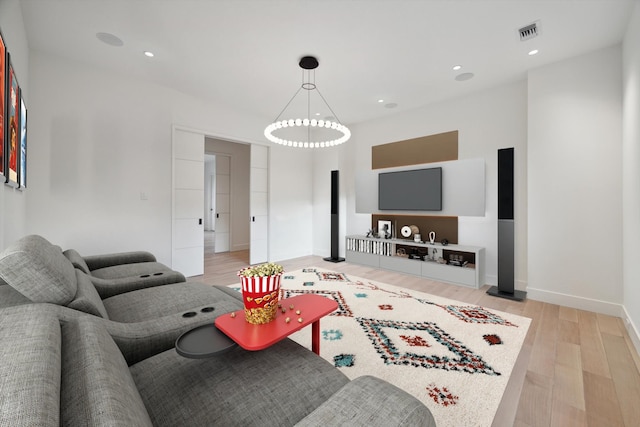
[{"x": 244, "y": 53}]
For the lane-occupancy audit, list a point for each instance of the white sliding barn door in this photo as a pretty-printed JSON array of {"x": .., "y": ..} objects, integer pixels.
[
  {"x": 188, "y": 203},
  {"x": 259, "y": 206}
]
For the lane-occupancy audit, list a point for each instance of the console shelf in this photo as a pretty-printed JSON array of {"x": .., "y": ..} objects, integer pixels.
[{"x": 458, "y": 264}]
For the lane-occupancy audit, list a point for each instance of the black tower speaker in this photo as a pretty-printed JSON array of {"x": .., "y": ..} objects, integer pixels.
[
  {"x": 335, "y": 218},
  {"x": 506, "y": 229}
]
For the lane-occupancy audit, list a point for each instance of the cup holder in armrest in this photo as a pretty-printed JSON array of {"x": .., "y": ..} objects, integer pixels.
[
  {"x": 144, "y": 276},
  {"x": 158, "y": 274},
  {"x": 207, "y": 309},
  {"x": 189, "y": 314}
]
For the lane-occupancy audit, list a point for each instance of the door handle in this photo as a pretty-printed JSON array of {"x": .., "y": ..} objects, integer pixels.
[
  {"x": 199, "y": 221},
  {"x": 253, "y": 219},
  {"x": 217, "y": 215}
]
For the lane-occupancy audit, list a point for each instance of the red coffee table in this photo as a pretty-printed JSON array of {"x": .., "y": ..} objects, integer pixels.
[{"x": 258, "y": 337}]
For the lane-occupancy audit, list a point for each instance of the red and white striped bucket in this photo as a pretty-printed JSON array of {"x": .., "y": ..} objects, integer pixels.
[{"x": 260, "y": 296}]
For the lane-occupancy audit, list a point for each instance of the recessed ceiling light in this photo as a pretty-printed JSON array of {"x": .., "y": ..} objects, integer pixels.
[
  {"x": 464, "y": 76},
  {"x": 457, "y": 67},
  {"x": 149, "y": 54},
  {"x": 380, "y": 101},
  {"x": 110, "y": 39},
  {"x": 533, "y": 52}
]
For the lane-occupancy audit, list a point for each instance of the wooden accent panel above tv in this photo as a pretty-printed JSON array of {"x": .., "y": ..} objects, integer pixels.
[{"x": 441, "y": 147}]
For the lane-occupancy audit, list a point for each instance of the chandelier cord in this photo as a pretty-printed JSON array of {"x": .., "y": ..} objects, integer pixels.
[
  {"x": 329, "y": 107},
  {"x": 285, "y": 107}
]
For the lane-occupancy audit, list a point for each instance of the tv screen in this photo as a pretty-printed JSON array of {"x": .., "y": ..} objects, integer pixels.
[{"x": 413, "y": 190}]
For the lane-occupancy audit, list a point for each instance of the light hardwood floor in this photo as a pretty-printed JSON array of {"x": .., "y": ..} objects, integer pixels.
[{"x": 577, "y": 368}]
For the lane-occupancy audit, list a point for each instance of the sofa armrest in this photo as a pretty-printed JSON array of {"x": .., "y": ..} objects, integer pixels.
[
  {"x": 370, "y": 401},
  {"x": 95, "y": 262},
  {"x": 110, "y": 287}
]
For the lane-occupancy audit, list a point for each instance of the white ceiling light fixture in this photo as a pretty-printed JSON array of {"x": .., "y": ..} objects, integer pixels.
[
  {"x": 148, "y": 54},
  {"x": 308, "y": 65},
  {"x": 533, "y": 52},
  {"x": 457, "y": 67}
]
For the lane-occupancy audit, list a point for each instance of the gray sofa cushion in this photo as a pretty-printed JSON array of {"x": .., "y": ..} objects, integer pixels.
[
  {"x": 277, "y": 386},
  {"x": 38, "y": 270},
  {"x": 368, "y": 401},
  {"x": 10, "y": 297},
  {"x": 87, "y": 298},
  {"x": 76, "y": 259},
  {"x": 29, "y": 369},
  {"x": 96, "y": 386}
]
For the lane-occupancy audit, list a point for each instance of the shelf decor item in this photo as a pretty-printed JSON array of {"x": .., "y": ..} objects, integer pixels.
[
  {"x": 384, "y": 229},
  {"x": 261, "y": 292}
]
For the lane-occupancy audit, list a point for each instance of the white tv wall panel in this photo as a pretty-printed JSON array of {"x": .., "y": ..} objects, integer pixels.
[{"x": 463, "y": 188}]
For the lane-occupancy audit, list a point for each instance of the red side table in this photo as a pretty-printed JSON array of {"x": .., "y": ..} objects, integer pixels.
[{"x": 258, "y": 337}]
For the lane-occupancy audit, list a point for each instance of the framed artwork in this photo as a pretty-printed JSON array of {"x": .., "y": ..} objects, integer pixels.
[
  {"x": 22, "y": 158},
  {"x": 384, "y": 229},
  {"x": 3, "y": 106},
  {"x": 13, "y": 127}
]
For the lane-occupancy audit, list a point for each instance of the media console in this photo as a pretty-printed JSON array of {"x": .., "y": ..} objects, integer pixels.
[{"x": 456, "y": 264}]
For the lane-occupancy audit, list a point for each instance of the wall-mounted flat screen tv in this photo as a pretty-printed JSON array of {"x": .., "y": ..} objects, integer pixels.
[{"x": 412, "y": 190}]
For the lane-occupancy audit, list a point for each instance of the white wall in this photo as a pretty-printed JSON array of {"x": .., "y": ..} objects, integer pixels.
[
  {"x": 239, "y": 155},
  {"x": 97, "y": 140},
  {"x": 12, "y": 201},
  {"x": 631, "y": 174},
  {"x": 291, "y": 207},
  {"x": 486, "y": 121},
  {"x": 575, "y": 197}
]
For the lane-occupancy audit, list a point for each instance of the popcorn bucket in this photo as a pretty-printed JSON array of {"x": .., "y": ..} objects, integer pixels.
[{"x": 260, "y": 296}]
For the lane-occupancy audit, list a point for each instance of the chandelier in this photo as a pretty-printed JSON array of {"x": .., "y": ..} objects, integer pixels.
[{"x": 324, "y": 130}]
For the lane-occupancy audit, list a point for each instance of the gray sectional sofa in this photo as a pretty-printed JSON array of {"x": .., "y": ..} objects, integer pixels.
[{"x": 72, "y": 358}]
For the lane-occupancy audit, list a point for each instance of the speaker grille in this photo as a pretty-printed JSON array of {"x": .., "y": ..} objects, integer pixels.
[{"x": 505, "y": 183}]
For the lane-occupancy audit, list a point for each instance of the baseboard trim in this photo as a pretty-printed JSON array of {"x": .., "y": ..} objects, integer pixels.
[
  {"x": 631, "y": 329},
  {"x": 492, "y": 280},
  {"x": 573, "y": 301}
]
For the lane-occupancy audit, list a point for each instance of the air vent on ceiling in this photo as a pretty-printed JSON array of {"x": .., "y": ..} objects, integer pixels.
[{"x": 530, "y": 31}]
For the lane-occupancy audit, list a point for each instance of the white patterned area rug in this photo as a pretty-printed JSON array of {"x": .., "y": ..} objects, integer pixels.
[{"x": 454, "y": 357}]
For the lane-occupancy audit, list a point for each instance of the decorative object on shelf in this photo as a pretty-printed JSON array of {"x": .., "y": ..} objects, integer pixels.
[
  {"x": 260, "y": 292},
  {"x": 408, "y": 231},
  {"x": 444, "y": 242},
  {"x": 433, "y": 254},
  {"x": 384, "y": 229},
  {"x": 308, "y": 64},
  {"x": 417, "y": 238},
  {"x": 401, "y": 252},
  {"x": 432, "y": 237},
  {"x": 370, "y": 232}
]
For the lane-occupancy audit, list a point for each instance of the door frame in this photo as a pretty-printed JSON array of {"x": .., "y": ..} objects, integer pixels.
[{"x": 227, "y": 138}]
